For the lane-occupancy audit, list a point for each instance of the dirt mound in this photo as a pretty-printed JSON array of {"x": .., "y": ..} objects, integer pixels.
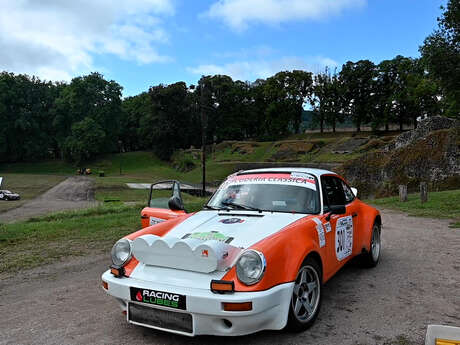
[{"x": 73, "y": 193}]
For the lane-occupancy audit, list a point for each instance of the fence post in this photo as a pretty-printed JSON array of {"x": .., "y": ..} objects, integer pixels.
[
  {"x": 423, "y": 192},
  {"x": 402, "y": 193}
]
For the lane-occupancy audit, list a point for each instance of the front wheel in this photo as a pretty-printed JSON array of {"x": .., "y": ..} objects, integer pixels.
[
  {"x": 371, "y": 258},
  {"x": 306, "y": 297}
]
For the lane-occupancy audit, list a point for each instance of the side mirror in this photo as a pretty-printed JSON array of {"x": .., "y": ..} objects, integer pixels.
[
  {"x": 355, "y": 191},
  {"x": 175, "y": 203},
  {"x": 336, "y": 209}
]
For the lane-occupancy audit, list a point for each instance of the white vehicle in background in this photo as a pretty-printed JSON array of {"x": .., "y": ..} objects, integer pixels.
[{"x": 7, "y": 195}]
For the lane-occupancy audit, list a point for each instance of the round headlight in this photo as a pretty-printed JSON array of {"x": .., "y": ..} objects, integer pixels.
[
  {"x": 250, "y": 267},
  {"x": 121, "y": 252}
]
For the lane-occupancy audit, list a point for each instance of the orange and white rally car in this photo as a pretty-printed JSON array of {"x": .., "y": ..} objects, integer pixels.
[{"x": 255, "y": 258}]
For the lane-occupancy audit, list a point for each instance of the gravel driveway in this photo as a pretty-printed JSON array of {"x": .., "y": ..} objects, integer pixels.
[
  {"x": 416, "y": 283},
  {"x": 73, "y": 193}
]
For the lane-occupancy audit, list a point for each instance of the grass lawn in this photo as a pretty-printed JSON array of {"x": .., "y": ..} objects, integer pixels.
[
  {"x": 444, "y": 204},
  {"x": 27, "y": 185},
  {"x": 46, "y": 239}
]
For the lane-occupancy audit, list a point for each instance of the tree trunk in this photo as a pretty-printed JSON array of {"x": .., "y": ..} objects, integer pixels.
[
  {"x": 387, "y": 127},
  {"x": 321, "y": 125},
  {"x": 333, "y": 125}
]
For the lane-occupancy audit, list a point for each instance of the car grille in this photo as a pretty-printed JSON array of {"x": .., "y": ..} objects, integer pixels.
[{"x": 165, "y": 319}]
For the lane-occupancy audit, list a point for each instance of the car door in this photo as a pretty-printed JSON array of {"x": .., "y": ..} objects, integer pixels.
[
  {"x": 341, "y": 230},
  {"x": 160, "y": 201}
]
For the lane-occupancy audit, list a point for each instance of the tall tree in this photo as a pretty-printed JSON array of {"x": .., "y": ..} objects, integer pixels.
[
  {"x": 358, "y": 79},
  {"x": 441, "y": 53},
  {"x": 90, "y": 96}
]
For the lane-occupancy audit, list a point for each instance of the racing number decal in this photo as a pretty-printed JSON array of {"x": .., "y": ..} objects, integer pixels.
[{"x": 344, "y": 237}]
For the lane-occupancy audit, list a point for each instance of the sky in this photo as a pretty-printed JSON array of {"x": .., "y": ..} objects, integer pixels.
[{"x": 141, "y": 43}]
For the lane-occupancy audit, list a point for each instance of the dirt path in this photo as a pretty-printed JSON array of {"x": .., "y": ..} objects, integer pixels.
[
  {"x": 73, "y": 193},
  {"x": 416, "y": 283}
]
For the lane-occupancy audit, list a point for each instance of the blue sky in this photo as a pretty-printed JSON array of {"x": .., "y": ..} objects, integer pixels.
[{"x": 140, "y": 43}]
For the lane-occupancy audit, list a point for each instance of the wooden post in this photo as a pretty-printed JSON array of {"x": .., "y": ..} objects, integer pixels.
[
  {"x": 423, "y": 192},
  {"x": 402, "y": 193}
]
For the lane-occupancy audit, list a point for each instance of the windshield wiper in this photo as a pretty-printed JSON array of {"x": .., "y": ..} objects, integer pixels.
[
  {"x": 240, "y": 206},
  {"x": 211, "y": 207}
]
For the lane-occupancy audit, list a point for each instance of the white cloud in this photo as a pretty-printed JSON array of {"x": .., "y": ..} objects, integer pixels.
[
  {"x": 239, "y": 14},
  {"x": 59, "y": 39},
  {"x": 254, "y": 69}
]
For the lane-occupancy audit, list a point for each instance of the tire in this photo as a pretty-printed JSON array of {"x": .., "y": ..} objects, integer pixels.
[
  {"x": 306, "y": 297},
  {"x": 371, "y": 258},
  {"x": 6, "y": 198}
]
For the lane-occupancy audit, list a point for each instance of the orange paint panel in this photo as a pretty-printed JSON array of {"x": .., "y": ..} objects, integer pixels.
[{"x": 161, "y": 213}]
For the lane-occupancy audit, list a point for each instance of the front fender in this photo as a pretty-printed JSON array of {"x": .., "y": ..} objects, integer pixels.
[{"x": 284, "y": 252}]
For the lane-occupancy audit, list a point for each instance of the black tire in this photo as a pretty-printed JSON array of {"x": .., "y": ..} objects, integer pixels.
[
  {"x": 6, "y": 198},
  {"x": 371, "y": 258},
  {"x": 299, "y": 318}
]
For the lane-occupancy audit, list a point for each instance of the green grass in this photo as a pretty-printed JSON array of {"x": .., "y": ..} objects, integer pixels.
[
  {"x": 47, "y": 239},
  {"x": 43, "y": 240},
  {"x": 27, "y": 185},
  {"x": 444, "y": 204}
]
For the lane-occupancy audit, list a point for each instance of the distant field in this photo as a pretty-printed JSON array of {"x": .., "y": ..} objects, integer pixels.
[
  {"x": 145, "y": 167},
  {"x": 27, "y": 185},
  {"x": 444, "y": 204}
]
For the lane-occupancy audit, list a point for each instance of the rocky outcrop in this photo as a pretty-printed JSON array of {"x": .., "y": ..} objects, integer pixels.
[
  {"x": 429, "y": 153},
  {"x": 424, "y": 128}
]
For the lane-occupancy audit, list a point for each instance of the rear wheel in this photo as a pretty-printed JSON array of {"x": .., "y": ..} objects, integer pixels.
[
  {"x": 306, "y": 297},
  {"x": 371, "y": 258}
]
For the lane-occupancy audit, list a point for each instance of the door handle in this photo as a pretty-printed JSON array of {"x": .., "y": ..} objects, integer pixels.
[{"x": 354, "y": 214}]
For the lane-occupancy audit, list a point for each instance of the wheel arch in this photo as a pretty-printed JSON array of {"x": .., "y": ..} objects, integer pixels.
[{"x": 315, "y": 256}]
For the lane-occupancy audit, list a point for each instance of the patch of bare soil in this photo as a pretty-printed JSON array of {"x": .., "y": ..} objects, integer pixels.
[
  {"x": 416, "y": 283},
  {"x": 74, "y": 193}
]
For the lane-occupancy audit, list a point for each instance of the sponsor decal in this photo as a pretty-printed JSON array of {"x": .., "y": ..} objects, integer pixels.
[
  {"x": 205, "y": 253},
  {"x": 231, "y": 220},
  {"x": 208, "y": 236},
  {"x": 307, "y": 181},
  {"x": 327, "y": 226},
  {"x": 154, "y": 220},
  {"x": 344, "y": 237},
  {"x": 320, "y": 231},
  {"x": 161, "y": 298}
]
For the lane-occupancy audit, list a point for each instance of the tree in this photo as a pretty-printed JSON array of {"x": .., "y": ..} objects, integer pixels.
[
  {"x": 169, "y": 125},
  {"x": 285, "y": 94},
  {"x": 26, "y": 131},
  {"x": 86, "y": 140},
  {"x": 90, "y": 96},
  {"x": 327, "y": 99},
  {"x": 441, "y": 54},
  {"x": 134, "y": 108},
  {"x": 358, "y": 79}
]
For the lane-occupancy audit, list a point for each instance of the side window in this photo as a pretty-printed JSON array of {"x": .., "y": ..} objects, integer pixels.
[
  {"x": 349, "y": 196},
  {"x": 332, "y": 192}
]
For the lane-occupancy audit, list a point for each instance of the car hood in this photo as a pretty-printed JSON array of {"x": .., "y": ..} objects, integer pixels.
[
  {"x": 204, "y": 246},
  {"x": 209, "y": 240},
  {"x": 240, "y": 229}
]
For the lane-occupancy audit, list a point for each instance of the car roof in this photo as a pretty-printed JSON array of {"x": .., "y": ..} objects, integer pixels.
[{"x": 312, "y": 171}]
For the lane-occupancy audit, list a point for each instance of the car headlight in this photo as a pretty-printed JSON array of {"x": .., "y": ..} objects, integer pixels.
[
  {"x": 121, "y": 252},
  {"x": 250, "y": 267}
]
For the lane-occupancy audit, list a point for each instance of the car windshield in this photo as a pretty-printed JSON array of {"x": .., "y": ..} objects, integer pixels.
[
  {"x": 6, "y": 192},
  {"x": 286, "y": 192}
]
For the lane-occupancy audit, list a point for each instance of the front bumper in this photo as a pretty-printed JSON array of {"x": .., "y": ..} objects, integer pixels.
[{"x": 269, "y": 308}]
